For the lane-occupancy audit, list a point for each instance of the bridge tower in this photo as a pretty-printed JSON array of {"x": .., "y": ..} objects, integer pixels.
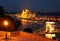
[{"x": 50, "y": 27}]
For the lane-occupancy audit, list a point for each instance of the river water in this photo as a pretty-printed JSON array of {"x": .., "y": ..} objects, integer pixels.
[{"x": 36, "y": 25}]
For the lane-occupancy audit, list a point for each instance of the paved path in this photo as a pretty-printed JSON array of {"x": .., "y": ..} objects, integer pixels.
[{"x": 21, "y": 36}]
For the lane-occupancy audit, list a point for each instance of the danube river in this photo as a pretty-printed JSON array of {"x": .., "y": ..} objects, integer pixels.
[{"x": 38, "y": 25}]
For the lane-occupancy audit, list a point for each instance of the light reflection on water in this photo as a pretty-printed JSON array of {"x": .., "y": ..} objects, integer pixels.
[{"x": 31, "y": 24}]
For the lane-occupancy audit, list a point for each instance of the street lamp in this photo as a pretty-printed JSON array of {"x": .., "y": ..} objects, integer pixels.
[{"x": 6, "y": 23}]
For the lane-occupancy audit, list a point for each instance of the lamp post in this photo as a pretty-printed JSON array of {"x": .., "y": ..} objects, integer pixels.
[
  {"x": 6, "y": 36},
  {"x": 6, "y": 23}
]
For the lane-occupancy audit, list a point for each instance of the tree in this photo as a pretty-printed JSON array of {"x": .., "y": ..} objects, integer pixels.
[{"x": 2, "y": 11}]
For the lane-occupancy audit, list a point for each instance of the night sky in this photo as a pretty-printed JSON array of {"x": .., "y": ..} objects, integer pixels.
[{"x": 33, "y": 5}]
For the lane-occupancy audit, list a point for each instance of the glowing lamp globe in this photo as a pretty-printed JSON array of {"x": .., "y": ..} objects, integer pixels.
[{"x": 6, "y": 23}]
